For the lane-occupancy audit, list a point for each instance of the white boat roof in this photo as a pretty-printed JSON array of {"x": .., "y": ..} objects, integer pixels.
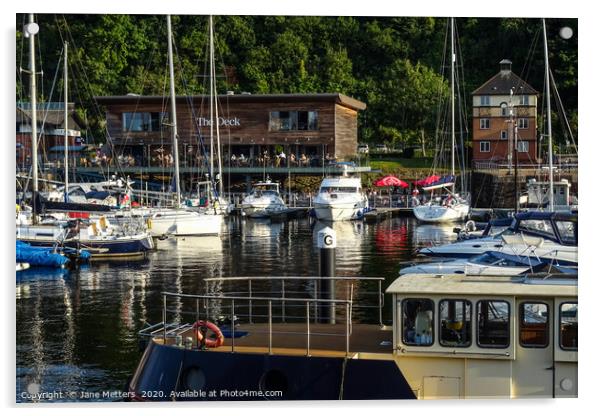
[
  {"x": 355, "y": 182},
  {"x": 453, "y": 284}
]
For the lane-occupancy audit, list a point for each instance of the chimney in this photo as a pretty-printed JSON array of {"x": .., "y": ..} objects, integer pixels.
[{"x": 505, "y": 66}]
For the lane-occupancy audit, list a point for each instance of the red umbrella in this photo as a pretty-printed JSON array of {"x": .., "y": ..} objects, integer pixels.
[{"x": 390, "y": 181}]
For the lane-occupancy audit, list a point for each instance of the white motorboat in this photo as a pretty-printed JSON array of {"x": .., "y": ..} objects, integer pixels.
[
  {"x": 490, "y": 263},
  {"x": 547, "y": 235},
  {"x": 263, "y": 200},
  {"x": 340, "y": 199},
  {"x": 164, "y": 222}
]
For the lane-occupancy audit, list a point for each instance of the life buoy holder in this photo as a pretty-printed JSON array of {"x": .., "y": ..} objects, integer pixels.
[{"x": 215, "y": 342}]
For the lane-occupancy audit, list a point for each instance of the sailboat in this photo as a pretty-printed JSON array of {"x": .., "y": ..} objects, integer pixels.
[
  {"x": 452, "y": 207},
  {"x": 98, "y": 237},
  {"x": 179, "y": 221}
]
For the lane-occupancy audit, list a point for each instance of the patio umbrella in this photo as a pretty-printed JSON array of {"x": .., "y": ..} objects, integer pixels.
[{"x": 390, "y": 180}]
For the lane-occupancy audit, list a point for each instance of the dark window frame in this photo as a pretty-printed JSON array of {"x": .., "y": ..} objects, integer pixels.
[
  {"x": 471, "y": 320},
  {"x": 560, "y": 326},
  {"x": 477, "y": 312},
  {"x": 521, "y": 314},
  {"x": 403, "y": 337}
]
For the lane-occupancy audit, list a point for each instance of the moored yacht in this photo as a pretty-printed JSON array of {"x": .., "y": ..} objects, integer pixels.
[
  {"x": 340, "y": 199},
  {"x": 263, "y": 200}
]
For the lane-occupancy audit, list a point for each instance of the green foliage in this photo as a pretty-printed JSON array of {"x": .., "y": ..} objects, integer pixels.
[{"x": 393, "y": 64}]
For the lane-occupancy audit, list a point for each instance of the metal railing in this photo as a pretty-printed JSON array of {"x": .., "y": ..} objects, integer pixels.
[
  {"x": 173, "y": 330},
  {"x": 223, "y": 305},
  {"x": 352, "y": 290}
]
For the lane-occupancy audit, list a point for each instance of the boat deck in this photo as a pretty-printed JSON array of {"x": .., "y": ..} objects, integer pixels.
[{"x": 292, "y": 339}]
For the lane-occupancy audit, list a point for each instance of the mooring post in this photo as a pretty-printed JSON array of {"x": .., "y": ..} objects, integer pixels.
[{"x": 327, "y": 243}]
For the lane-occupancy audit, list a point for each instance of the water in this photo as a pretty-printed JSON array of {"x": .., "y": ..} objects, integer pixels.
[{"x": 77, "y": 330}]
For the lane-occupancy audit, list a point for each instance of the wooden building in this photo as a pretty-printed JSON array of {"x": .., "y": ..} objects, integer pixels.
[
  {"x": 51, "y": 124},
  {"x": 501, "y": 103},
  {"x": 254, "y": 128}
]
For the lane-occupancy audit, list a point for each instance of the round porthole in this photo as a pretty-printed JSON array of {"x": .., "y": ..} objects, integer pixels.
[
  {"x": 194, "y": 379},
  {"x": 566, "y": 384},
  {"x": 274, "y": 380}
]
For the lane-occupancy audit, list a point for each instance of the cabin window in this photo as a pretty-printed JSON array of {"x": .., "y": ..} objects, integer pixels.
[
  {"x": 455, "y": 323},
  {"x": 566, "y": 229},
  {"x": 541, "y": 227},
  {"x": 568, "y": 326},
  {"x": 533, "y": 325},
  {"x": 417, "y": 321},
  {"x": 493, "y": 329}
]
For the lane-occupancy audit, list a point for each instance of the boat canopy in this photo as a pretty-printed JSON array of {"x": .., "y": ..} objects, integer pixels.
[{"x": 442, "y": 182}]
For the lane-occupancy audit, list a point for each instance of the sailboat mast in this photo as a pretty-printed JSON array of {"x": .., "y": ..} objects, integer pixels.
[
  {"x": 453, "y": 99},
  {"x": 211, "y": 98},
  {"x": 174, "y": 126},
  {"x": 214, "y": 102},
  {"x": 34, "y": 111},
  {"x": 549, "y": 119},
  {"x": 66, "y": 141}
]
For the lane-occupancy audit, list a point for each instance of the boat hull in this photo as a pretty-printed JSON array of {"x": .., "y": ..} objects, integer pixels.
[
  {"x": 185, "y": 224},
  {"x": 439, "y": 214},
  {"x": 99, "y": 249},
  {"x": 296, "y": 377}
]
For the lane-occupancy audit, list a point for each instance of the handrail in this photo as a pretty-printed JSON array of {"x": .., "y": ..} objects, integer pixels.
[
  {"x": 347, "y": 303},
  {"x": 238, "y": 278}
]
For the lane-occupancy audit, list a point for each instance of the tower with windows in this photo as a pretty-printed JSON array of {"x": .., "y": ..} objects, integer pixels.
[{"x": 505, "y": 115}]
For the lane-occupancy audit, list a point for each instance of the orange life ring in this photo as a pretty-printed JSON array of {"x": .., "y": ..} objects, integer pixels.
[{"x": 215, "y": 342}]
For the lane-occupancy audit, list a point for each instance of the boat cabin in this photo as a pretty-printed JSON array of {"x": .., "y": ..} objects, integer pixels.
[
  {"x": 265, "y": 188},
  {"x": 494, "y": 337},
  {"x": 557, "y": 226}
]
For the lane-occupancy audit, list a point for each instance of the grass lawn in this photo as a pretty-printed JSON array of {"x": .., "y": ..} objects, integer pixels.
[{"x": 391, "y": 164}]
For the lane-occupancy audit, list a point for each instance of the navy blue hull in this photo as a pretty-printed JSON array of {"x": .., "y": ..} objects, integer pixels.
[
  {"x": 168, "y": 373},
  {"x": 100, "y": 249}
]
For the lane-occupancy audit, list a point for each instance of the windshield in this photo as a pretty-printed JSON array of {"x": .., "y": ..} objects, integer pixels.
[{"x": 338, "y": 189}]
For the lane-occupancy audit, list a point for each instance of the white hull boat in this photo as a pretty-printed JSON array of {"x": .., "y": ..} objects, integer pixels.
[
  {"x": 439, "y": 213},
  {"x": 181, "y": 222},
  {"x": 263, "y": 201},
  {"x": 340, "y": 199}
]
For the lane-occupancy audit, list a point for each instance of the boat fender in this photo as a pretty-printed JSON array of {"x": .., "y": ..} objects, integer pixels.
[
  {"x": 471, "y": 226},
  {"x": 218, "y": 341},
  {"x": 149, "y": 223}
]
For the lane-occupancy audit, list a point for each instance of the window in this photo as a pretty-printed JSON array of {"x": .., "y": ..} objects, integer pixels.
[
  {"x": 538, "y": 227},
  {"x": 533, "y": 329},
  {"x": 568, "y": 326},
  {"x": 504, "y": 109},
  {"x": 522, "y": 146},
  {"x": 417, "y": 321},
  {"x": 567, "y": 232},
  {"x": 485, "y": 100},
  {"x": 293, "y": 120},
  {"x": 485, "y": 147},
  {"x": 455, "y": 323},
  {"x": 523, "y": 123},
  {"x": 137, "y": 122},
  {"x": 484, "y": 123},
  {"x": 504, "y": 135},
  {"x": 493, "y": 329},
  {"x": 524, "y": 100}
]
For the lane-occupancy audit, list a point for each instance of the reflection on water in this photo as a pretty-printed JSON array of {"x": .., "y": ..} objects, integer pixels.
[{"x": 76, "y": 330}]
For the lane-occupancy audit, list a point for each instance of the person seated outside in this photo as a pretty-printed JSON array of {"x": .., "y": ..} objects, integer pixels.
[
  {"x": 292, "y": 159},
  {"x": 303, "y": 159}
]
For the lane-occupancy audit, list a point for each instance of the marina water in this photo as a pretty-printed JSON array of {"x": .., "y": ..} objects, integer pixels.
[{"x": 77, "y": 329}]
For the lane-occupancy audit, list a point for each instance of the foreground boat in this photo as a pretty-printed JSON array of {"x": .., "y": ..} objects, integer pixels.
[{"x": 451, "y": 337}]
